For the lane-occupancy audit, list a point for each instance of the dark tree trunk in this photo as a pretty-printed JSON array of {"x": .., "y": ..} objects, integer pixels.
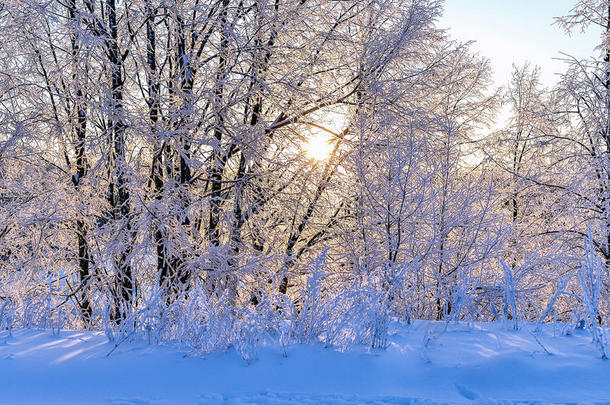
[
  {"x": 218, "y": 160},
  {"x": 81, "y": 169},
  {"x": 157, "y": 180},
  {"x": 118, "y": 191}
]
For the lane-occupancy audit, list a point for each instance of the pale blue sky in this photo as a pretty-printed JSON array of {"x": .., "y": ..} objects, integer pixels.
[{"x": 508, "y": 31}]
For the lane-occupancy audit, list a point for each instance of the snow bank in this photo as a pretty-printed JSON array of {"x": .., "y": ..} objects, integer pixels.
[{"x": 425, "y": 363}]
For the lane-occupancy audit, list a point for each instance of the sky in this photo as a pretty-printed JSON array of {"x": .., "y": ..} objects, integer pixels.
[{"x": 515, "y": 31}]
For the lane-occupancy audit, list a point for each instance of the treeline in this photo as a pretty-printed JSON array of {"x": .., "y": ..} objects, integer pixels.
[{"x": 155, "y": 175}]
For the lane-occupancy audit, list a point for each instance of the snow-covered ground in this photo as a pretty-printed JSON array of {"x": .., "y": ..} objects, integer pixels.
[{"x": 425, "y": 363}]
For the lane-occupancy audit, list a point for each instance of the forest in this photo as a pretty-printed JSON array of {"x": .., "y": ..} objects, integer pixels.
[{"x": 218, "y": 172}]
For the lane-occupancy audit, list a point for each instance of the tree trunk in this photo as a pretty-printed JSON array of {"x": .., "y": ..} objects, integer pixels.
[
  {"x": 81, "y": 169},
  {"x": 118, "y": 191}
]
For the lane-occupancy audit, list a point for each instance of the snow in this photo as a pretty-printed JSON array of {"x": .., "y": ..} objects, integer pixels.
[{"x": 425, "y": 363}]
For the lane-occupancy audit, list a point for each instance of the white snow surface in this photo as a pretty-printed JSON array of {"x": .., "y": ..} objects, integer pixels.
[{"x": 425, "y": 363}]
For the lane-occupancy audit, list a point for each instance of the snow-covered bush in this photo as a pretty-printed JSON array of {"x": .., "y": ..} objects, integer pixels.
[
  {"x": 590, "y": 275},
  {"x": 7, "y": 315},
  {"x": 310, "y": 320},
  {"x": 510, "y": 305}
]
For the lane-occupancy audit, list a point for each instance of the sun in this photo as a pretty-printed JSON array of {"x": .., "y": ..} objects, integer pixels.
[{"x": 319, "y": 147}]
